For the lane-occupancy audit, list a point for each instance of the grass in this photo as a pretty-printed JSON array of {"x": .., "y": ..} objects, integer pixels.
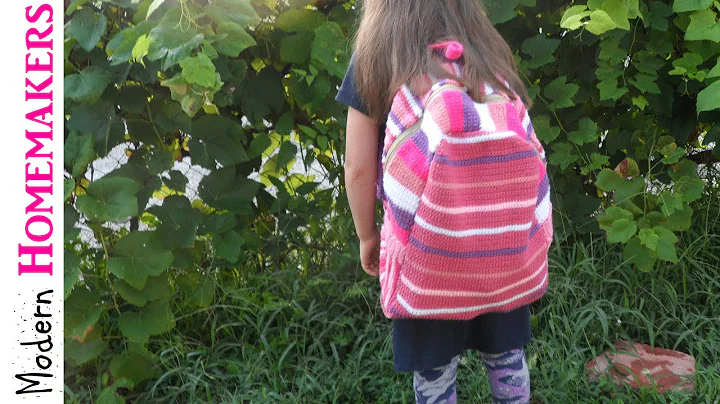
[{"x": 282, "y": 338}]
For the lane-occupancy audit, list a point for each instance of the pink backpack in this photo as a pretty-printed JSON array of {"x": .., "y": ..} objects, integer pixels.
[{"x": 467, "y": 223}]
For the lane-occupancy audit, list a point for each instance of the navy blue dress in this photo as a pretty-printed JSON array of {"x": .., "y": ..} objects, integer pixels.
[{"x": 420, "y": 345}]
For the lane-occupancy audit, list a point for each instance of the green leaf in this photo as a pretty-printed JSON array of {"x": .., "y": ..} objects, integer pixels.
[
  {"x": 97, "y": 119},
  {"x": 609, "y": 90},
  {"x": 135, "y": 365},
  {"x": 287, "y": 152},
  {"x": 685, "y": 168},
  {"x": 222, "y": 190},
  {"x": 322, "y": 142},
  {"x": 179, "y": 222},
  {"x": 138, "y": 258},
  {"x": 563, "y": 155},
  {"x": 715, "y": 72},
  {"x": 141, "y": 48},
  {"x": 597, "y": 162},
  {"x": 177, "y": 181},
  {"x": 79, "y": 152},
  {"x": 659, "y": 11},
  {"x": 218, "y": 223},
  {"x": 109, "y": 395},
  {"x": 543, "y": 129},
  {"x": 561, "y": 93},
  {"x": 329, "y": 48},
  {"x": 258, "y": 146},
  {"x": 228, "y": 246},
  {"x": 681, "y": 6},
  {"x": 241, "y": 12},
  {"x": 79, "y": 353},
  {"x": 119, "y": 48},
  {"x": 620, "y": 231},
  {"x": 617, "y": 10},
  {"x": 204, "y": 293},
  {"x": 217, "y": 139},
  {"x": 154, "y": 319},
  {"x": 608, "y": 180},
  {"x": 303, "y": 20},
  {"x": 501, "y": 11},
  {"x": 645, "y": 83},
  {"x": 260, "y": 94},
  {"x": 600, "y": 22},
  {"x": 642, "y": 257},
  {"x": 198, "y": 70},
  {"x": 690, "y": 189},
  {"x": 630, "y": 189},
  {"x": 709, "y": 98},
  {"x": 156, "y": 288},
  {"x": 573, "y": 16},
  {"x": 618, "y": 223},
  {"x": 640, "y": 102},
  {"x": 634, "y": 10},
  {"x": 70, "y": 218},
  {"x": 154, "y": 6},
  {"x": 670, "y": 203},
  {"x": 612, "y": 51},
  {"x": 540, "y": 48},
  {"x": 295, "y": 48},
  {"x": 666, "y": 244},
  {"x": 68, "y": 187},
  {"x": 677, "y": 154},
  {"x": 82, "y": 310},
  {"x": 109, "y": 199},
  {"x": 88, "y": 85},
  {"x": 680, "y": 220},
  {"x": 586, "y": 133},
  {"x": 171, "y": 44},
  {"x": 649, "y": 239},
  {"x": 285, "y": 124},
  {"x": 686, "y": 64},
  {"x": 87, "y": 27},
  {"x": 71, "y": 271},
  {"x": 703, "y": 25},
  {"x": 236, "y": 39}
]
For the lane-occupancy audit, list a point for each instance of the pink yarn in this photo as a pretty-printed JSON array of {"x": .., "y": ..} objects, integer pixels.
[{"x": 453, "y": 50}]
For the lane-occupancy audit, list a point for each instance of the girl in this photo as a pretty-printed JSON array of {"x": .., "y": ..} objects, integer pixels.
[{"x": 396, "y": 44}]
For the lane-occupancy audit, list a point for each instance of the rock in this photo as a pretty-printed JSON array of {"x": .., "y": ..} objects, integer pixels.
[{"x": 639, "y": 365}]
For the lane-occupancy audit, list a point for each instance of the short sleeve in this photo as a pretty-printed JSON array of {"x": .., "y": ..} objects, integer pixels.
[{"x": 347, "y": 94}]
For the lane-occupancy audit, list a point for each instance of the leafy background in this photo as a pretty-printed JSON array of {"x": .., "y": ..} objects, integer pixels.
[{"x": 227, "y": 149}]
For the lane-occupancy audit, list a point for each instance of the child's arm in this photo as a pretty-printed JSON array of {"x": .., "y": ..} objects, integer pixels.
[{"x": 361, "y": 149}]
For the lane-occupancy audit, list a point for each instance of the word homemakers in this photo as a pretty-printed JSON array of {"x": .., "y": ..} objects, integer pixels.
[{"x": 35, "y": 256}]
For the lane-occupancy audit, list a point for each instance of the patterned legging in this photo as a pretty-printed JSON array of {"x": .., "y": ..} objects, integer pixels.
[{"x": 508, "y": 374}]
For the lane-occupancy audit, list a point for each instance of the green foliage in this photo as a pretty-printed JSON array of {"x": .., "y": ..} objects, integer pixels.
[{"x": 626, "y": 100}]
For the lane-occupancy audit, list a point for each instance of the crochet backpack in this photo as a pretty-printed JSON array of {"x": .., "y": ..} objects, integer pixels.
[{"x": 467, "y": 223}]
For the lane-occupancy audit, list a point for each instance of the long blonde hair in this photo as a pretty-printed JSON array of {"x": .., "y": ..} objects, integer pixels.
[{"x": 392, "y": 49}]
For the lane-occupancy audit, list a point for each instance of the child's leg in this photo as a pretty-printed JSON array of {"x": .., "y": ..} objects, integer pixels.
[
  {"x": 436, "y": 386},
  {"x": 509, "y": 376}
]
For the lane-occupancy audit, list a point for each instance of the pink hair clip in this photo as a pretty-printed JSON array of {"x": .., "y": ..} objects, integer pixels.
[{"x": 453, "y": 50}]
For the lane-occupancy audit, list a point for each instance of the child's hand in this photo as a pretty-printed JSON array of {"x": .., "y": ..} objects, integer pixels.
[{"x": 370, "y": 254}]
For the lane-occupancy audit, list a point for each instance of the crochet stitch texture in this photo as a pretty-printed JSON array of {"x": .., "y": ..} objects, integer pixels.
[{"x": 467, "y": 223}]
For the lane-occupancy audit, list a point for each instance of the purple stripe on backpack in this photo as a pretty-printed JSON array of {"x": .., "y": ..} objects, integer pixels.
[
  {"x": 468, "y": 254},
  {"x": 472, "y": 119},
  {"x": 486, "y": 160},
  {"x": 403, "y": 218},
  {"x": 421, "y": 141},
  {"x": 396, "y": 121},
  {"x": 544, "y": 188}
]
